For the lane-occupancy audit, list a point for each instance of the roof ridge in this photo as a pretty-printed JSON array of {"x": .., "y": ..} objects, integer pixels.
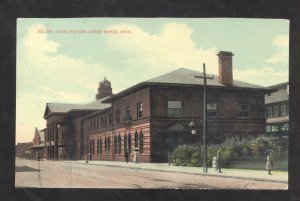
[
  {"x": 67, "y": 103},
  {"x": 181, "y": 68}
]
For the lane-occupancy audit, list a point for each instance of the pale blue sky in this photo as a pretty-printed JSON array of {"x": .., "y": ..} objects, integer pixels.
[{"x": 66, "y": 67}]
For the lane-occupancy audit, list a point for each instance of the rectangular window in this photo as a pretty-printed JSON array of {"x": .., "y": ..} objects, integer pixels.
[
  {"x": 244, "y": 110},
  {"x": 127, "y": 112},
  {"x": 110, "y": 119},
  {"x": 269, "y": 111},
  {"x": 283, "y": 108},
  {"x": 117, "y": 117},
  {"x": 285, "y": 127},
  {"x": 174, "y": 108},
  {"x": 274, "y": 128},
  {"x": 268, "y": 128},
  {"x": 139, "y": 110},
  {"x": 211, "y": 109},
  {"x": 276, "y": 110}
]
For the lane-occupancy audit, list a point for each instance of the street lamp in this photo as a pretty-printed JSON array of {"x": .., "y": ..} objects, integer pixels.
[{"x": 192, "y": 124}]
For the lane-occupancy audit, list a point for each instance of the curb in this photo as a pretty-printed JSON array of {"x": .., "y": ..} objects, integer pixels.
[{"x": 184, "y": 172}]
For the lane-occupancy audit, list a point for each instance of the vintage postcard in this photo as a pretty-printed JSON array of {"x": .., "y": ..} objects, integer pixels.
[{"x": 152, "y": 103}]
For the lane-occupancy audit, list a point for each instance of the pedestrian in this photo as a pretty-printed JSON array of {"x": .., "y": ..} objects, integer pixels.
[
  {"x": 126, "y": 156},
  {"x": 269, "y": 165},
  {"x": 214, "y": 163},
  {"x": 219, "y": 160},
  {"x": 169, "y": 158}
]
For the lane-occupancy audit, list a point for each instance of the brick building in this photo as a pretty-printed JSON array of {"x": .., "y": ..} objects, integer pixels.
[
  {"x": 154, "y": 115},
  {"x": 62, "y": 138},
  {"x": 23, "y": 150},
  {"x": 277, "y": 109}
]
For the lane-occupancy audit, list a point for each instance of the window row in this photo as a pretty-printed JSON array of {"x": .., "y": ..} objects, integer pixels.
[
  {"x": 139, "y": 113},
  {"x": 175, "y": 109},
  {"x": 97, "y": 144},
  {"x": 277, "y": 127},
  {"x": 277, "y": 110},
  {"x": 98, "y": 122}
]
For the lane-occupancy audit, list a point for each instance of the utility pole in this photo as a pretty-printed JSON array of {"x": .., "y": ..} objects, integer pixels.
[{"x": 204, "y": 117}]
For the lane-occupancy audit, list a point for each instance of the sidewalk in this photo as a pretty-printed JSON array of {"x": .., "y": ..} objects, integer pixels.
[{"x": 257, "y": 175}]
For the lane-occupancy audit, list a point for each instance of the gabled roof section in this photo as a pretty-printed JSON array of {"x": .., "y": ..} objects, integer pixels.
[
  {"x": 62, "y": 108},
  {"x": 177, "y": 127},
  {"x": 39, "y": 137},
  {"x": 279, "y": 93},
  {"x": 42, "y": 135}
]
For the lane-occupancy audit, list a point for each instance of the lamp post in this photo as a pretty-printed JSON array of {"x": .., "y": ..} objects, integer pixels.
[{"x": 192, "y": 124}]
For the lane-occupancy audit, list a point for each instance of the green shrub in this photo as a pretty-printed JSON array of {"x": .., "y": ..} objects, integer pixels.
[
  {"x": 187, "y": 155},
  {"x": 232, "y": 149},
  {"x": 262, "y": 144}
]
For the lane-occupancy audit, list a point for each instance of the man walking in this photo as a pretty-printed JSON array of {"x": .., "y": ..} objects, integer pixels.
[
  {"x": 126, "y": 156},
  {"x": 219, "y": 158}
]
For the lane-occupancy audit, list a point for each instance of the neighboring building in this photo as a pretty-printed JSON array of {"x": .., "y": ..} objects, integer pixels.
[
  {"x": 153, "y": 116},
  {"x": 23, "y": 150},
  {"x": 38, "y": 145},
  {"x": 63, "y": 127},
  {"x": 277, "y": 109}
]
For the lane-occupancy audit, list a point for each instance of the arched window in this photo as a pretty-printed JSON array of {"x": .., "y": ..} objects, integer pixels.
[
  {"x": 125, "y": 143},
  {"x": 105, "y": 143},
  {"x": 129, "y": 143},
  {"x": 108, "y": 143},
  {"x": 141, "y": 142},
  {"x": 136, "y": 140},
  {"x": 93, "y": 146},
  {"x": 100, "y": 145},
  {"x": 115, "y": 144},
  {"x": 119, "y": 144}
]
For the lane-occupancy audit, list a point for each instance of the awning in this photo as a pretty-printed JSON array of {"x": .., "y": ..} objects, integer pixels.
[{"x": 37, "y": 147}]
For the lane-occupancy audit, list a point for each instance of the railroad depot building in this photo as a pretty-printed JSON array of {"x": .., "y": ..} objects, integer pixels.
[{"x": 154, "y": 115}]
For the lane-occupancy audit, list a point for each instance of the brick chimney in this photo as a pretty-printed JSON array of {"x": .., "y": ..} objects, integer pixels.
[
  {"x": 225, "y": 68},
  {"x": 104, "y": 89}
]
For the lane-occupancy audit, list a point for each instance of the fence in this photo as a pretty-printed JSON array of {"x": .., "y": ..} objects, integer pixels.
[{"x": 280, "y": 163}]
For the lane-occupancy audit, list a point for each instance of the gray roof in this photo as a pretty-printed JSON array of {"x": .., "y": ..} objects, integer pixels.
[
  {"x": 97, "y": 105},
  {"x": 187, "y": 76},
  {"x": 184, "y": 76},
  {"x": 64, "y": 108},
  {"x": 278, "y": 96}
]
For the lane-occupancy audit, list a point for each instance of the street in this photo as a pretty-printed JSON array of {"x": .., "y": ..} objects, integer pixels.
[{"x": 60, "y": 174}]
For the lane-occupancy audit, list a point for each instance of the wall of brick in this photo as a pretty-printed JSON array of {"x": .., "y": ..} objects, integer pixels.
[
  {"x": 226, "y": 124},
  {"x": 141, "y": 96},
  {"x": 136, "y": 126}
]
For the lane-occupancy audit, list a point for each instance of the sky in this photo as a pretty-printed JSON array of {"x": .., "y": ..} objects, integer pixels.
[{"x": 63, "y": 60}]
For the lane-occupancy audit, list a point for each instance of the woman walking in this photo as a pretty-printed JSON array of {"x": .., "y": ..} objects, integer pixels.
[{"x": 269, "y": 165}]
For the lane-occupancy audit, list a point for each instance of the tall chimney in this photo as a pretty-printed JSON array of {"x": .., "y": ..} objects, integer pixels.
[{"x": 225, "y": 68}]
